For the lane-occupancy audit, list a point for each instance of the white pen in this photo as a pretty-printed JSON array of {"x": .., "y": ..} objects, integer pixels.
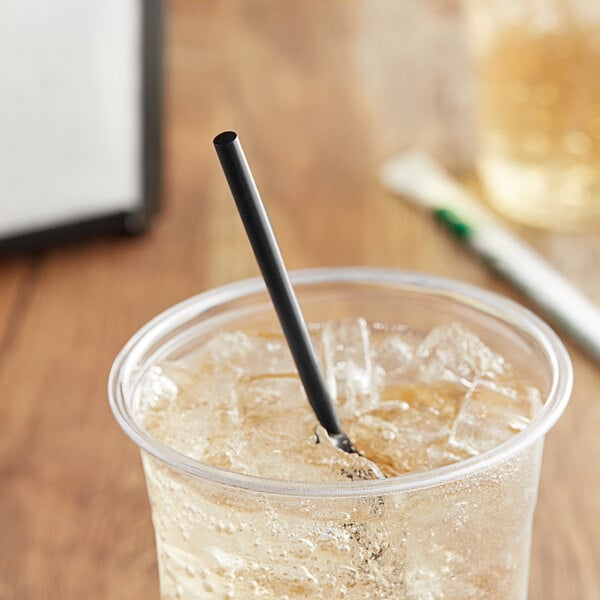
[{"x": 416, "y": 177}]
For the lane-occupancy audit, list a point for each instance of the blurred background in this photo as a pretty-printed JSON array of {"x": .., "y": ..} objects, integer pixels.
[{"x": 113, "y": 208}]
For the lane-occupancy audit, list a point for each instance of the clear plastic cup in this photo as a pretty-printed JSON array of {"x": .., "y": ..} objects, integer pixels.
[{"x": 460, "y": 531}]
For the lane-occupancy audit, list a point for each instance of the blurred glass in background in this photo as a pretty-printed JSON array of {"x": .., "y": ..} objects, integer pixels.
[{"x": 538, "y": 76}]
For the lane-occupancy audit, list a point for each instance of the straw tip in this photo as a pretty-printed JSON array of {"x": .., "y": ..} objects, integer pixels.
[{"x": 224, "y": 138}]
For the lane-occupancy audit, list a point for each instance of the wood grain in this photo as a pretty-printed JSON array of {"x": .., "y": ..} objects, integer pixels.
[{"x": 320, "y": 93}]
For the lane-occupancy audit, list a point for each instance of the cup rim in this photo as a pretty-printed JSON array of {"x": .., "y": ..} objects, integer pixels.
[{"x": 479, "y": 299}]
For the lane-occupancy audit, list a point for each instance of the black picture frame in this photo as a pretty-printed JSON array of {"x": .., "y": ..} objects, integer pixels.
[{"x": 126, "y": 222}]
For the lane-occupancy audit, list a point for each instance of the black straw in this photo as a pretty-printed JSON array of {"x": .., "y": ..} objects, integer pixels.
[{"x": 261, "y": 236}]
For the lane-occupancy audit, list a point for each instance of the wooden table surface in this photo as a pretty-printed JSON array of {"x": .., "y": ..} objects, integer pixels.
[{"x": 320, "y": 93}]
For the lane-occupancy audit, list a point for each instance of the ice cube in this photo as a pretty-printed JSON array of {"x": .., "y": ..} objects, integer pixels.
[
  {"x": 250, "y": 354},
  {"x": 348, "y": 365},
  {"x": 491, "y": 414},
  {"x": 392, "y": 353},
  {"x": 225, "y": 349},
  {"x": 269, "y": 354},
  {"x": 452, "y": 353},
  {"x": 276, "y": 414},
  {"x": 405, "y": 423}
]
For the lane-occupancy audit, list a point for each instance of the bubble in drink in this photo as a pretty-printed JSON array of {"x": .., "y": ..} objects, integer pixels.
[{"x": 411, "y": 401}]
